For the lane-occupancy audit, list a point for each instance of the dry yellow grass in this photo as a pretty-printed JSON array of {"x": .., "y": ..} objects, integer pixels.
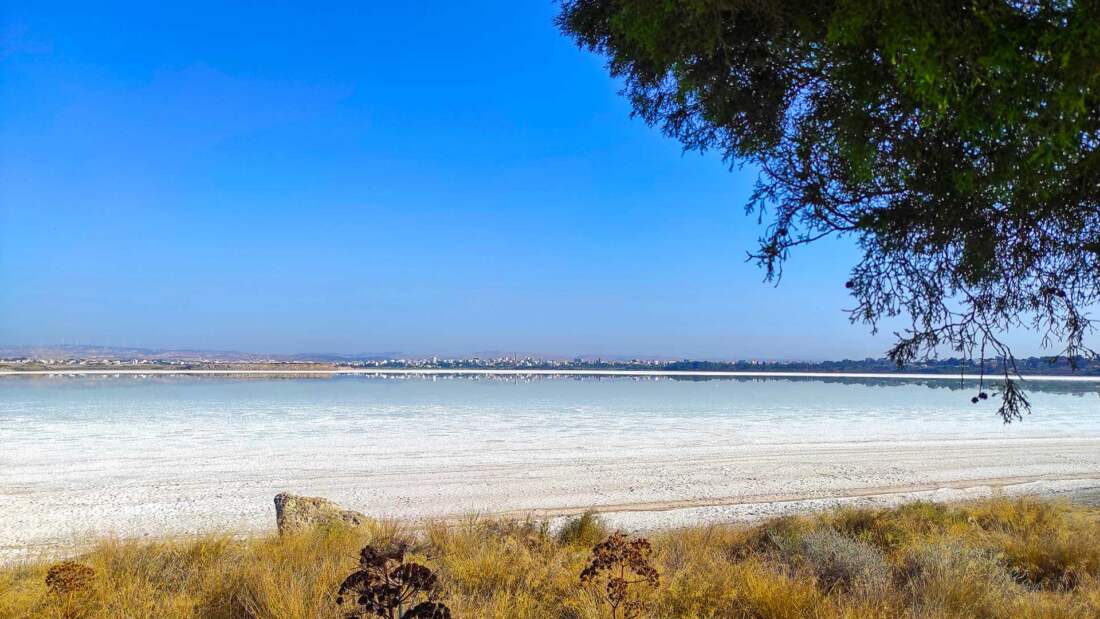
[{"x": 999, "y": 558}]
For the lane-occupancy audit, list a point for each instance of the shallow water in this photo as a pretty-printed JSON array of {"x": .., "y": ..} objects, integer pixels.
[{"x": 44, "y": 418}]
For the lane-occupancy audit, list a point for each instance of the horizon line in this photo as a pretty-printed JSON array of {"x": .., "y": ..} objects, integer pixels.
[{"x": 563, "y": 372}]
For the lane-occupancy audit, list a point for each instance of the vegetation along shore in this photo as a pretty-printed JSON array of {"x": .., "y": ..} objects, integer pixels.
[{"x": 996, "y": 558}]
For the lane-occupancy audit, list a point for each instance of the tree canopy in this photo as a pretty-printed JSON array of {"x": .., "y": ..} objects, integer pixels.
[{"x": 958, "y": 142}]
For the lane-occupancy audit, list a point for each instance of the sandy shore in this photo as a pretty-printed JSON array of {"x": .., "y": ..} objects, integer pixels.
[{"x": 639, "y": 492}]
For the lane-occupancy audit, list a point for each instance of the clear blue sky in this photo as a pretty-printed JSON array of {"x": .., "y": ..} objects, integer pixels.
[{"x": 442, "y": 177}]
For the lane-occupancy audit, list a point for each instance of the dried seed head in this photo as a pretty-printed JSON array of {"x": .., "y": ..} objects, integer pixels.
[{"x": 69, "y": 577}]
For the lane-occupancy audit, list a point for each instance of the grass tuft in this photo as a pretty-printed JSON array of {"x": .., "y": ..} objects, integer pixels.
[{"x": 585, "y": 530}]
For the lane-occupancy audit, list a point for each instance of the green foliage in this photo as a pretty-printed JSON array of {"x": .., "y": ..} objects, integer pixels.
[{"x": 959, "y": 142}]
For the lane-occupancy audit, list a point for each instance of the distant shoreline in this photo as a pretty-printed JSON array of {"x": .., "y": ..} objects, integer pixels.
[{"x": 549, "y": 372}]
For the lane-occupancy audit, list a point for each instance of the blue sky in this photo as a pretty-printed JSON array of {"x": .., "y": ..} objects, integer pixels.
[{"x": 356, "y": 176}]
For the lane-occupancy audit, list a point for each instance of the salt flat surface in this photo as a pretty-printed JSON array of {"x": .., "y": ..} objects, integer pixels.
[{"x": 174, "y": 455}]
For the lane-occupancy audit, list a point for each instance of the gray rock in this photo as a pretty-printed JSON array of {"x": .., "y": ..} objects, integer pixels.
[{"x": 295, "y": 514}]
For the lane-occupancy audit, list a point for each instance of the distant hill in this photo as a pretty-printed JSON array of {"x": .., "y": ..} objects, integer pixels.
[{"x": 122, "y": 353}]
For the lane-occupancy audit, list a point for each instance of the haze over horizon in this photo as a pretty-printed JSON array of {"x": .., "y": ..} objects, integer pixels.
[{"x": 170, "y": 180}]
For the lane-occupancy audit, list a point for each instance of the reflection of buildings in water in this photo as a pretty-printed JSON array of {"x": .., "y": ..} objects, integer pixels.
[{"x": 968, "y": 383}]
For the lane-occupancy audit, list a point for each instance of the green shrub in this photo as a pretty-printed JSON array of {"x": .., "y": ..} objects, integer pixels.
[
  {"x": 840, "y": 562},
  {"x": 585, "y": 530}
]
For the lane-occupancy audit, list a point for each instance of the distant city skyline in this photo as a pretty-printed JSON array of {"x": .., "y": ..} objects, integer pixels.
[{"x": 351, "y": 177}]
